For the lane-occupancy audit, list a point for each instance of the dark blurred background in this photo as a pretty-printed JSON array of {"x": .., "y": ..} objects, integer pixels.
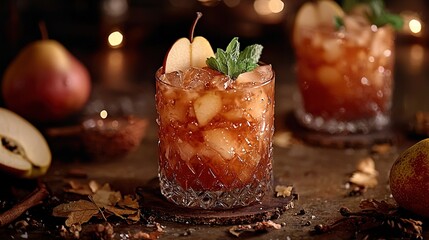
[{"x": 150, "y": 27}]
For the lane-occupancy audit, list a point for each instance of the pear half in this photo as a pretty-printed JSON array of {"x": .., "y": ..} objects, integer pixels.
[
  {"x": 24, "y": 152},
  {"x": 315, "y": 14},
  {"x": 185, "y": 54}
]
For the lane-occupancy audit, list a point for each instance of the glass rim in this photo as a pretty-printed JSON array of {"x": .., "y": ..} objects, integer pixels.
[
  {"x": 343, "y": 33},
  {"x": 159, "y": 73}
]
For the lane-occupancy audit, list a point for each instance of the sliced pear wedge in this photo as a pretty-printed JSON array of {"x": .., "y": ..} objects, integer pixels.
[
  {"x": 186, "y": 53},
  {"x": 24, "y": 151},
  {"x": 179, "y": 56},
  {"x": 316, "y": 14}
]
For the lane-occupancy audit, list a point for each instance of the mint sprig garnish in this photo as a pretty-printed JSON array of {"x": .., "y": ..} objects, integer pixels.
[
  {"x": 232, "y": 62},
  {"x": 377, "y": 14}
]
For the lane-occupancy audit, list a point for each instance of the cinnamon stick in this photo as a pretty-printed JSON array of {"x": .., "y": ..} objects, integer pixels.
[{"x": 33, "y": 199}]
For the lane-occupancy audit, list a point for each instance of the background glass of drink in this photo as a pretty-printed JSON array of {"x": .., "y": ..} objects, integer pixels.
[
  {"x": 345, "y": 77},
  {"x": 215, "y": 137}
]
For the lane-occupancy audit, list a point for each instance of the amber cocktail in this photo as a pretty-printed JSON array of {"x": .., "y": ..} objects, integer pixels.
[
  {"x": 215, "y": 136},
  {"x": 344, "y": 72}
]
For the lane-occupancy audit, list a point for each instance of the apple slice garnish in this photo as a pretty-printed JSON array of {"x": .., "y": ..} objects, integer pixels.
[
  {"x": 186, "y": 53},
  {"x": 315, "y": 14},
  {"x": 24, "y": 151}
]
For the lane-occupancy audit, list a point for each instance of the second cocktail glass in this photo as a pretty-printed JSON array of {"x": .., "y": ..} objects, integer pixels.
[{"x": 344, "y": 75}]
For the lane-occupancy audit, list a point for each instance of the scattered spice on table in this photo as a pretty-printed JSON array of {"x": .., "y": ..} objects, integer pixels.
[
  {"x": 374, "y": 214},
  {"x": 254, "y": 229}
]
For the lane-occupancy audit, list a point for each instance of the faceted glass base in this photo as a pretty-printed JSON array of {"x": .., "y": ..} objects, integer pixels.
[
  {"x": 251, "y": 193},
  {"x": 379, "y": 122}
]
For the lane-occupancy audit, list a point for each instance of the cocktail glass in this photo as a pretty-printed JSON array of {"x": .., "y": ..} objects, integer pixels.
[
  {"x": 345, "y": 77},
  {"x": 215, "y": 137}
]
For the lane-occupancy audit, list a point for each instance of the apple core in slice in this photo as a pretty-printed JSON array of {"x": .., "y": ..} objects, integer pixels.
[
  {"x": 316, "y": 14},
  {"x": 24, "y": 151}
]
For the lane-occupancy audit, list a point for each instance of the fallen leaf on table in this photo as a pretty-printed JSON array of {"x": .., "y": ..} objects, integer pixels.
[
  {"x": 122, "y": 213},
  {"x": 128, "y": 202},
  {"x": 106, "y": 198},
  {"x": 104, "y": 202},
  {"x": 377, "y": 216},
  {"x": 76, "y": 212},
  {"x": 367, "y": 165},
  {"x": 283, "y": 191},
  {"x": 364, "y": 177},
  {"x": 78, "y": 188},
  {"x": 94, "y": 186},
  {"x": 256, "y": 228}
]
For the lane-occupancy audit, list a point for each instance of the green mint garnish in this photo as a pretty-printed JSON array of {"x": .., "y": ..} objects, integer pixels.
[
  {"x": 339, "y": 22},
  {"x": 232, "y": 62},
  {"x": 377, "y": 14}
]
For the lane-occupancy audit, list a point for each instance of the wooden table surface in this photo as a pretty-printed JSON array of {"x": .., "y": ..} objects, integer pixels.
[{"x": 318, "y": 174}]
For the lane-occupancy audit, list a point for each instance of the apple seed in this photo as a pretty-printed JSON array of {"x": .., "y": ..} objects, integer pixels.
[{"x": 13, "y": 146}]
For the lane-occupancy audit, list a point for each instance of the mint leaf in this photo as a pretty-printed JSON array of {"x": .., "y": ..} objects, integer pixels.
[
  {"x": 232, "y": 62},
  {"x": 339, "y": 22},
  {"x": 378, "y": 14}
]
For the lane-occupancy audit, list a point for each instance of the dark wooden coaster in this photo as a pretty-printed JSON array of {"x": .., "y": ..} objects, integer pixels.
[
  {"x": 355, "y": 140},
  {"x": 153, "y": 204}
]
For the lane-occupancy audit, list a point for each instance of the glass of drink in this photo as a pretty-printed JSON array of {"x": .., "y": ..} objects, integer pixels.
[
  {"x": 345, "y": 76},
  {"x": 215, "y": 136}
]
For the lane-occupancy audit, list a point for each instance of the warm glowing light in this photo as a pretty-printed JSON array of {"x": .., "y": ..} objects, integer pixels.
[
  {"x": 115, "y": 61},
  {"x": 103, "y": 114},
  {"x": 209, "y": 3},
  {"x": 276, "y": 6},
  {"x": 417, "y": 56},
  {"x": 232, "y": 3},
  {"x": 266, "y": 7},
  {"x": 262, "y": 7},
  {"x": 415, "y": 26},
  {"x": 115, "y": 39},
  {"x": 115, "y": 8}
]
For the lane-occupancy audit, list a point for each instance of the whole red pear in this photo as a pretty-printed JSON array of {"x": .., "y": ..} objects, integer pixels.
[
  {"x": 409, "y": 178},
  {"x": 46, "y": 83}
]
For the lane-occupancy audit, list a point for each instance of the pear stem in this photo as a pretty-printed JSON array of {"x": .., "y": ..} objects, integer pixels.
[
  {"x": 191, "y": 37},
  {"x": 43, "y": 30}
]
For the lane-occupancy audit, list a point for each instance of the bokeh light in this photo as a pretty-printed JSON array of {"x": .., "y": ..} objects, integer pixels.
[
  {"x": 115, "y": 39},
  {"x": 231, "y": 3},
  {"x": 415, "y": 26},
  {"x": 266, "y": 7},
  {"x": 103, "y": 114}
]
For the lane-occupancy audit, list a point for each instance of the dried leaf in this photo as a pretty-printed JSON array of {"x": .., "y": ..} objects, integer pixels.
[
  {"x": 367, "y": 165},
  {"x": 134, "y": 217},
  {"x": 363, "y": 179},
  {"x": 380, "y": 206},
  {"x": 128, "y": 202},
  {"x": 78, "y": 188},
  {"x": 377, "y": 215},
  {"x": 94, "y": 186},
  {"x": 77, "y": 212},
  {"x": 122, "y": 213},
  {"x": 106, "y": 198},
  {"x": 283, "y": 191},
  {"x": 282, "y": 139}
]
